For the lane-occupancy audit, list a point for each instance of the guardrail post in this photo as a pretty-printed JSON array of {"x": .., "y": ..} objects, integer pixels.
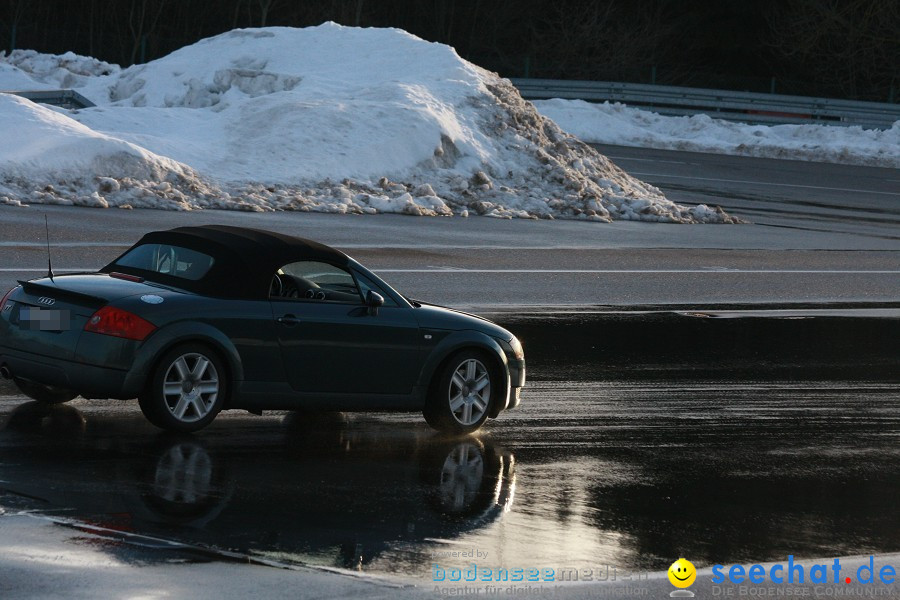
[{"x": 772, "y": 86}]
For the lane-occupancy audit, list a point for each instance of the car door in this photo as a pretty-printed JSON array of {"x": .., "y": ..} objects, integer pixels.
[{"x": 332, "y": 343}]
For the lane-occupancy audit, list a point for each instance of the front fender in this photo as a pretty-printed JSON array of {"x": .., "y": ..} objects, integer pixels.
[
  {"x": 459, "y": 340},
  {"x": 176, "y": 333}
]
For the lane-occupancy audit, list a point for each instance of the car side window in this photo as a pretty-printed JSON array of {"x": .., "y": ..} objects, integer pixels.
[
  {"x": 315, "y": 281},
  {"x": 166, "y": 259}
]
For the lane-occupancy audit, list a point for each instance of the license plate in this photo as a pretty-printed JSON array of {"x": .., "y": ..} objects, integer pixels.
[{"x": 44, "y": 319}]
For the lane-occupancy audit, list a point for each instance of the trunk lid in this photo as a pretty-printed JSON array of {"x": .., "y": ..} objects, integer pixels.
[
  {"x": 47, "y": 316},
  {"x": 86, "y": 289}
]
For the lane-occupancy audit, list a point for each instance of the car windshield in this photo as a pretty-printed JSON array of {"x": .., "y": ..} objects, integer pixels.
[{"x": 168, "y": 260}]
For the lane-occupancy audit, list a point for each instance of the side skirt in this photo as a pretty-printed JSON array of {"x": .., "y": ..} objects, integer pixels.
[{"x": 259, "y": 395}]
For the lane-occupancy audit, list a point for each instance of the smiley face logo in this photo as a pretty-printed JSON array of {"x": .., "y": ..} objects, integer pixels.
[{"x": 682, "y": 573}]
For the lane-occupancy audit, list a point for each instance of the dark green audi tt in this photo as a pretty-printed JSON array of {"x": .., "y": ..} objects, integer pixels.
[{"x": 195, "y": 320}]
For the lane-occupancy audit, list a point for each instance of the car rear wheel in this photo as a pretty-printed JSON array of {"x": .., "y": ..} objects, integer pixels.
[
  {"x": 460, "y": 397},
  {"x": 45, "y": 394},
  {"x": 186, "y": 389}
]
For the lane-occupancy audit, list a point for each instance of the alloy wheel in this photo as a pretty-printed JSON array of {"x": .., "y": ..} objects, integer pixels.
[
  {"x": 470, "y": 391},
  {"x": 191, "y": 387},
  {"x": 184, "y": 474},
  {"x": 461, "y": 477}
]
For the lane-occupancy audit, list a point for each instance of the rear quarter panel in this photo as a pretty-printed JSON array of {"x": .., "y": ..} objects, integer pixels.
[{"x": 242, "y": 331}]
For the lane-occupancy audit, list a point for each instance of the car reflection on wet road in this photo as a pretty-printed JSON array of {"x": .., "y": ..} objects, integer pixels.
[
  {"x": 320, "y": 490},
  {"x": 583, "y": 475}
]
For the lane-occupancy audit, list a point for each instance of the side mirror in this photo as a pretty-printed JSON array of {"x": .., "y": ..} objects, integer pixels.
[{"x": 374, "y": 300}]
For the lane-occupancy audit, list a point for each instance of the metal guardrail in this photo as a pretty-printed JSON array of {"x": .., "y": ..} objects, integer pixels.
[
  {"x": 747, "y": 107},
  {"x": 61, "y": 98}
]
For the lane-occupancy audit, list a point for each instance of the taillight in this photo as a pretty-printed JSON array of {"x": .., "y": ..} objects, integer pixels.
[
  {"x": 119, "y": 323},
  {"x": 6, "y": 297}
]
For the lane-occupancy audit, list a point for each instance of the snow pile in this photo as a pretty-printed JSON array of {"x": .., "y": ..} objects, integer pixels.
[
  {"x": 14, "y": 79},
  {"x": 55, "y": 160},
  {"x": 50, "y": 71},
  {"x": 339, "y": 119},
  {"x": 619, "y": 124}
]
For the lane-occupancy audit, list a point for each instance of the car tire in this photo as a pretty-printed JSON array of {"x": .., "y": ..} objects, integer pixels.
[
  {"x": 186, "y": 389},
  {"x": 45, "y": 394},
  {"x": 460, "y": 476},
  {"x": 182, "y": 482},
  {"x": 459, "y": 398}
]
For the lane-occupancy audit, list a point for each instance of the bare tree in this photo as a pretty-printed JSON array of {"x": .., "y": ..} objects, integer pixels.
[
  {"x": 267, "y": 6},
  {"x": 16, "y": 11},
  {"x": 853, "y": 45},
  {"x": 842, "y": 47},
  {"x": 143, "y": 18},
  {"x": 584, "y": 40},
  {"x": 264, "y": 7}
]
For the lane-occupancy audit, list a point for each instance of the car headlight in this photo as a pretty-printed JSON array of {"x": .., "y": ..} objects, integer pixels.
[{"x": 517, "y": 348}]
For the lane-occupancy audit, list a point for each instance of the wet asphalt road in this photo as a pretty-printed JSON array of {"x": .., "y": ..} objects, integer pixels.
[
  {"x": 480, "y": 262},
  {"x": 805, "y": 196},
  {"x": 585, "y": 474}
]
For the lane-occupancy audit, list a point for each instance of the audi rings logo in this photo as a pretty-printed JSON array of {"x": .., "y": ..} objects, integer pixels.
[{"x": 46, "y": 301}]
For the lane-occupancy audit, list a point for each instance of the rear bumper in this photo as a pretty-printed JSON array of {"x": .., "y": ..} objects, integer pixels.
[{"x": 87, "y": 380}]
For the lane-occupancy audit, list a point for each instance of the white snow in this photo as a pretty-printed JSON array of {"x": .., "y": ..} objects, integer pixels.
[
  {"x": 327, "y": 118},
  {"x": 49, "y": 158},
  {"x": 37, "y": 71},
  {"x": 15, "y": 79},
  {"x": 626, "y": 126}
]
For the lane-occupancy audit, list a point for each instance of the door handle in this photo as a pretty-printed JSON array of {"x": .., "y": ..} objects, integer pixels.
[{"x": 289, "y": 320}]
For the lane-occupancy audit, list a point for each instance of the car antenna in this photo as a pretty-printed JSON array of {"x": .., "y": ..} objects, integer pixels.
[{"x": 49, "y": 265}]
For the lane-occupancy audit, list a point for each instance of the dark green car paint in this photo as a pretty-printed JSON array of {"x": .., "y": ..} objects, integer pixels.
[{"x": 335, "y": 356}]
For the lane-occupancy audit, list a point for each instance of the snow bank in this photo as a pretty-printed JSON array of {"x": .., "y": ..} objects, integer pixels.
[
  {"x": 338, "y": 119},
  {"x": 14, "y": 79},
  {"x": 55, "y": 160},
  {"x": 619, "y": 124},
  {"x": 49, "y": 71}
]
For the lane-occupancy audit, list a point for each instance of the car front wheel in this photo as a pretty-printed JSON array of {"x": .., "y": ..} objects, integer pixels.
[
  {"x": 186, "y": 389},
  {"x": 460, "y": 398}
]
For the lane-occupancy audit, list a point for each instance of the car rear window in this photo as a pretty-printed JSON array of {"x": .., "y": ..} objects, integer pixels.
[{"x": 168, "y": 260}]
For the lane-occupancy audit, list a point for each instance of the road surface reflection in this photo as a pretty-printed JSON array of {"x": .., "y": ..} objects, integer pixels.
[{"x": 584, "y": 475}]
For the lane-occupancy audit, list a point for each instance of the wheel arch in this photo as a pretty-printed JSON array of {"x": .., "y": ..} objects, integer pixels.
[
  {"x": 465, "y": 340},
  {"x": 173, "y": 335}
]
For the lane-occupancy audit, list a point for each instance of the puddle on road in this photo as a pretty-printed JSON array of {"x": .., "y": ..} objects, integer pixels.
[{"x": 586, "y": 475}]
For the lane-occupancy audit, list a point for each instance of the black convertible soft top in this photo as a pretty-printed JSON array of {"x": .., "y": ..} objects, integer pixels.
[{"x": 245, "y": 259}]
